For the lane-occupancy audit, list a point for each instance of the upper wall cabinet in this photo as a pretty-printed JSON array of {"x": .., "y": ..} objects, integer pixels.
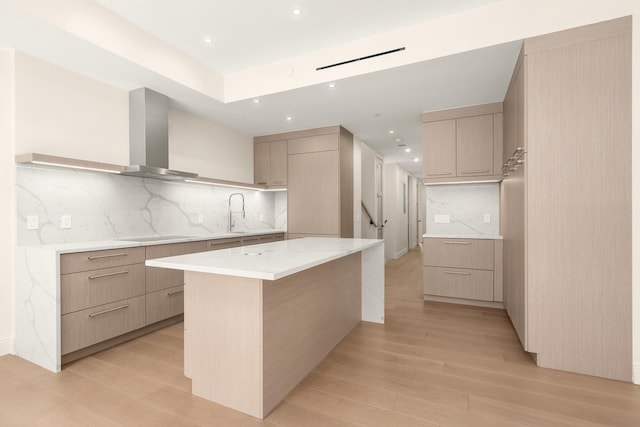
[
  {"x": 270, "y": 163},
  {"x": 462, "y": 144}
]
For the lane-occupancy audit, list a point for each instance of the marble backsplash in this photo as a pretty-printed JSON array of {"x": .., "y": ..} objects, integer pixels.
[
  {"x": 466, "y": 205},
  {"x": 106, "y": 206}
]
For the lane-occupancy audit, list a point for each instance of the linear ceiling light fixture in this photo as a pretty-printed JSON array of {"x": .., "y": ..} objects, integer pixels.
[{"x": 375, "y": 55}]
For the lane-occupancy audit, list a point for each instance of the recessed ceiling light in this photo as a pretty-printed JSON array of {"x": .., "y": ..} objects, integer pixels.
[
  {"x": 289, "y": 118},
  {"x": 296, "y": 12},
  {"x": 332, "y": 85},
  {"x": 207, "y": 40},
  {"x": 415, "y": 159},
  {"x": 408, "y": 150},
  {"x": 256, "y": 101},
  {"x": 398, "y": 139},
  {"x": 392, "y": 131}
]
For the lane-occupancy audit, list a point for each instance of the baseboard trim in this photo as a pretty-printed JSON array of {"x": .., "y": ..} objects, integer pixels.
[
  {"x": 7, "y": 346},
  {"x": 635, "y": 375},
  {"x": 400, "y": 253},
  {"x": 487, "y": 304}
]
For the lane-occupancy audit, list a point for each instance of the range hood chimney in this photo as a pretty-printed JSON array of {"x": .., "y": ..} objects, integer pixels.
[{"x": 149, "y": 137}]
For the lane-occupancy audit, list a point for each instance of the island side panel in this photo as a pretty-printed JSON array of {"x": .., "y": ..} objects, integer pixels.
[
  {"x": 373, "y": 284},
  {"x": 225, "y": 339},
  {"x": 305, "y": 316}
]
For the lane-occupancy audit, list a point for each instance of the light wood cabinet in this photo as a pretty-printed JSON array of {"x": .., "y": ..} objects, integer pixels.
[
  {"x": 164, "y": 304},
  {"x": 474, "y": 138},
  {"x": 319, "y": 181},
  {"x": 464, "y": 269},
  {"x": 462, "y": 144},
  {"x": 270, "y": 163},
  {"x": 84, "y": 328},
  {"x": 439, "y": 149},
  {"x": 100, "y": 303},
  {"x": 567, "y": 209}
]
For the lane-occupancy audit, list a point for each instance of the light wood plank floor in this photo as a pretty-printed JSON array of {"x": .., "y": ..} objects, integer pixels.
[{"x": 430, "y": 364}]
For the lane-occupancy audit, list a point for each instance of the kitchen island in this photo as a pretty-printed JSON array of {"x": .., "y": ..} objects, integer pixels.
[{"x": 258, "y": 319}]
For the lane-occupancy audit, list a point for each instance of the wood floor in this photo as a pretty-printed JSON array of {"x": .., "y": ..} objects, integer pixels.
[{"x": 430, "y": 364}]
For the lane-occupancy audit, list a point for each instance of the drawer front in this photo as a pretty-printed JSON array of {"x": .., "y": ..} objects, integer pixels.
[
  {"x": 271, "y": 237},
  {"x": 232, "y": 242},
  {"x": 460, "y": 253},
  {"x": 250, "y": 240},
  {"x": 173, "y": 249},
  {"x": 87, "y": 327},
  {"x": 459, "y": 283},
  {"x": 164, "y": 304},
  {"x": 79, "y": 291},
  {"x": 84, "y": 261},
  {"x": 163, "y": 278}
]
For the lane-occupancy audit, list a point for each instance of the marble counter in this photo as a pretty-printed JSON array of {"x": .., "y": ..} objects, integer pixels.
[
  {"x": 269, "y": 261},
  {"x": 463, "y": 236}
]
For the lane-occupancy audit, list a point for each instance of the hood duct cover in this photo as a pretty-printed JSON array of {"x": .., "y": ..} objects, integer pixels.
[{"x": 149, "y": 137}]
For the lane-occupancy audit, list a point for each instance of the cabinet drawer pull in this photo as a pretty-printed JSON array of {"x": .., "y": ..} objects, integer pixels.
[
  {"x": 440, "y": 174},
  {"x": 91, "y": 258},
  {"x": 109, "y": 311},
  {"x": 115, "y": 273},
  {"x": 261, "y": 183},
  {"x": 461, "y": 273},
  {"x": 457, "y": 243},
  {"x": 175, "y": 293},
  {"x": 478, "y": 171}
]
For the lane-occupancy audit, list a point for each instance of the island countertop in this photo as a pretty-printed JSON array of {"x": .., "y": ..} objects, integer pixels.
[{"x": 268, "y": 261}]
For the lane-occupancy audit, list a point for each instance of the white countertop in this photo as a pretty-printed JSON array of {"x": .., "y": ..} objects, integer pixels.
[
  {"x": 463, "y": 236},
  {"x": 64, "y": 248},
  {"x": 269, "y": 261}
]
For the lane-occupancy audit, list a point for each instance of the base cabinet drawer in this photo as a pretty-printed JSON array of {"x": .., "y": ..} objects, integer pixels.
[
  {"x": 461, "y": 253},
  {"x": 87, "y": 327},
  {"x": 459, "y": 283},
  {"x": 231, "y": 242},
  {"x": 86, "y": 289},
  {"x": 164, "y": 304},
  {"x": 163, "y": 278},
  {"x": 83, "y": 261}
]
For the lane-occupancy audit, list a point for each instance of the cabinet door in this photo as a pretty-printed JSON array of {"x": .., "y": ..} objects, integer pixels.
[
  {"x": 261, "y": 162},
  {"x": 439, "y": 149},
  {"x": 313, "y": 193},
  {"x": 475, "y": 145},
  {"x": 278, "y": 170}
]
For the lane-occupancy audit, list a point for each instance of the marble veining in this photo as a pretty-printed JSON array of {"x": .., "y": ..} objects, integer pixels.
[
  {"x": 466, "y": 204},
  {"x": 107, "y": 207}
]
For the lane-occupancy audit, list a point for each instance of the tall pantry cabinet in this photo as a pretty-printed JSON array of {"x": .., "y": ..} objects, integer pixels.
[
  {"x": 319, "y": 171},
  {"x": 566, "y": 207}
]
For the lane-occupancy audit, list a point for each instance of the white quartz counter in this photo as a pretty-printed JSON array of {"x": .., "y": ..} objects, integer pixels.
[
  {"x": 64, "y": 248},
  {"x": 268, "y": 261},
  {"x": 463, "y": 236}
]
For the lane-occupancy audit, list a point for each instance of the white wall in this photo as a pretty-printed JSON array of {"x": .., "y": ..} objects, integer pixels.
[
  {"x": 65, "y": 114},
  {"x": 358, "y": 216},
  {"x": 368, "y": 168},
  {"x": 395, "y": 231},
  {"x": 7, "y": 204},
  {"x": 209, "y": 148}
]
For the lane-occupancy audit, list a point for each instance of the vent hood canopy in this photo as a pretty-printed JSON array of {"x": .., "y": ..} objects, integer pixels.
[{"x": 149, "y": 137}]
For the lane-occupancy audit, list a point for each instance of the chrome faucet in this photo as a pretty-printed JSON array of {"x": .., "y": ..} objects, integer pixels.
[{"x": 232, "y": 212}]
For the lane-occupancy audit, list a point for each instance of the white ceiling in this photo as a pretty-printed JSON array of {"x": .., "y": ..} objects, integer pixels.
[{"x": 250, "y": 33}]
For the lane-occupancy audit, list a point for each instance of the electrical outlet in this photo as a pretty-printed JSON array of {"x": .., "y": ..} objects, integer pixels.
[
  {"x": 65, "y": 221},
  {"x": 442, "y": 219},
  {"x": 487, "y": 218},
  {"x": 200, "y": 218},
  {"x": 32, "y": 222}
]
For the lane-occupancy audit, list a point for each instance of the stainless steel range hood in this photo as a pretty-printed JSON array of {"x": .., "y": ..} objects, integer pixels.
[{"x": 149, "y": 137}]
